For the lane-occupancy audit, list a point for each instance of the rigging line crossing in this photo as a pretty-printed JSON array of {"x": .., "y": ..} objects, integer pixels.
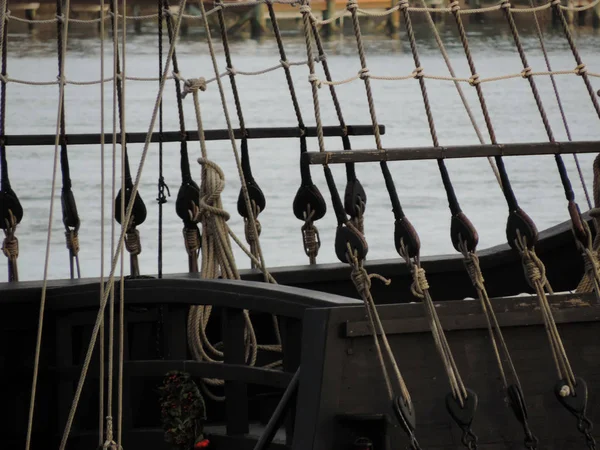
[
  {"x": 581, "y": 231},
  {"x": 563, "y": 115},
  {"x": 352, "y": 248},
  {"x": 522, "y": 236},
  {"x": 50, "y": 217},
  {"x": 461, "y": 94},
  {"x": 111, "y": 278},
  {"x": 464, "y": 238}
]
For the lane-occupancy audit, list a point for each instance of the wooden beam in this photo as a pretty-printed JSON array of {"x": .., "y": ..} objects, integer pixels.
[
  {"x": 175, "y": 136},
  {"x": 449, "y": 152}
]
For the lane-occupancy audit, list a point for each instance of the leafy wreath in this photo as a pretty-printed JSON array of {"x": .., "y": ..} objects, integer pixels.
[{"x": 183, "y": 411}]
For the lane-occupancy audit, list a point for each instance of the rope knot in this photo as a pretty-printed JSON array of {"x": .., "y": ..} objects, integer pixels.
[
  {"x": 60, "y": 18},
  {"x": 418, "y": 72},
  {"x": 420, "y": 284},
  {"x": 231, "y": 71},
  {"x": 363, "y": 74},
  {"x": 352, "y": 4},
  {"x": 474, "y": 79},
  {"x": 555, "y": 2},
  {"x": 454, "y": 6},
  {"x": 304, "y": 9},
  {"x": 249, "y": 231},
  {"x": 192, "y": 85},
  {"x": 534, "y": 268},
  {"x": 284, "y": 63},
  {"x": 403, "y": 4},
  {"x": 132, "y": 241},
  {"x": 191, "y": 238},
  {"x": 10, "y": 246},
  {"x": 72, "y": 241},
  {"x": 210, "y": 202},
  {"x": 505, "y": 4},
  {"x": 471, "y": 262},
  {"x": 580, "y": 69},
  {"x": 311, "y": 239},
  {"x": 8, "y": 14},
  {"x": 312, "y": 78},
  {"x": 526, "y": 72}
]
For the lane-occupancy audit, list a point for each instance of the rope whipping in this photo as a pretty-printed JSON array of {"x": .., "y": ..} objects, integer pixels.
[
  {"x": 522, "y": 236},
  {"x": 70, "y": 216},
  {"x": 309, "y": 204},
  {"x": 581, "y": 230},
  {"x": 465, "y": 238},
  {"x": 11, "y": 211},
  {"x": 352, "y": 248}
]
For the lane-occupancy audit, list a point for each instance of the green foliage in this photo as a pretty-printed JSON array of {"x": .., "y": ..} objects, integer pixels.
[{"x": 183, "y": 410}]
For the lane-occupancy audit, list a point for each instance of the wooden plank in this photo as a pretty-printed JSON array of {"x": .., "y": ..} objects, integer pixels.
[
  {"x": 450, "y": 152},
  {"x": 467, "y": 314},
  {"x": 236, "y": 391}
]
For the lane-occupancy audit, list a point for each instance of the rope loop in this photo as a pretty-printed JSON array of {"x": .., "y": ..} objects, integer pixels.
[
  {"x": 352, "y": 4},
  {"x": 216, "y": 184},
  {"x": 304, "y": 9},
  {"x": 132, "y": 241},
  {"x": 580, "y": 69},
  {"x": 474, "y": 80},
  {"x": 284, "y": 63},
  {"x": 555, "y": 2},
  {"x": 363, "y": 74},
  {"x": 359, "y": 275},
  {"x": 454, "y": 6},
  {"x": 249, "y": 230},
  {"x": 8, "y": 15},
  {"x": 193, "y": 85},
  {"x": 526, "y": 72},
  {"x": 231, "y": 71},
  {"x": 60, "y": 18},
  {"x": 403, "y": 4},
  {"x": 505, "y": 4},
  {"x": 72, "y": 241}
]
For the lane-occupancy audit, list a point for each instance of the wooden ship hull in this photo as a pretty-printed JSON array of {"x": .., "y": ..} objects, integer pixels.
[{"x": 329, "y": 393}]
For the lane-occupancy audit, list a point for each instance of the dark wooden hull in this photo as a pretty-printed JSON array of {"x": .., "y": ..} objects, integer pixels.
[{"x": 341, "y": 394}]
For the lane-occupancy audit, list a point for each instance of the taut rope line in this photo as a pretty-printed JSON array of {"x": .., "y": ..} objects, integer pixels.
[{"x": 38, "y": 344}]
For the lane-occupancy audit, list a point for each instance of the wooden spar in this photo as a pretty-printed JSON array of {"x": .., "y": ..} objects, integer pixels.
[
  {"x": 175, "y": 136},
  {"x": 452, "y": 151}
]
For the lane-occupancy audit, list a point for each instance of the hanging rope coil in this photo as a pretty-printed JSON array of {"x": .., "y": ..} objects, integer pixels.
[{"x": 133, "y": 243}]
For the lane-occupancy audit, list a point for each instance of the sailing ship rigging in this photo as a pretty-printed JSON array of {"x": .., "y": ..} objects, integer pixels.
[{"x": 317, "y": 356}]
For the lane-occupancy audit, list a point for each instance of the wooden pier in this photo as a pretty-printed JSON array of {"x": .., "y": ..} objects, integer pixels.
[{"x": 256, "y": 17}]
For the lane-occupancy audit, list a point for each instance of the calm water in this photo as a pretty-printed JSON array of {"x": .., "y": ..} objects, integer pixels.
[{"x": 266, "y": 103}]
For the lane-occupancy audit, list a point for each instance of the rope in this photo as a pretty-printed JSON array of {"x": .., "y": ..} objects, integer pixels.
[
  {"x": 50, "y": 217},
  {"x": 102, "y": 230},
  {"x": 559, "y": 102},
  {"x": 10, "y": 248},
  {"x": 217, "y": 256},
  {"x": 536, "y": 277}
]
